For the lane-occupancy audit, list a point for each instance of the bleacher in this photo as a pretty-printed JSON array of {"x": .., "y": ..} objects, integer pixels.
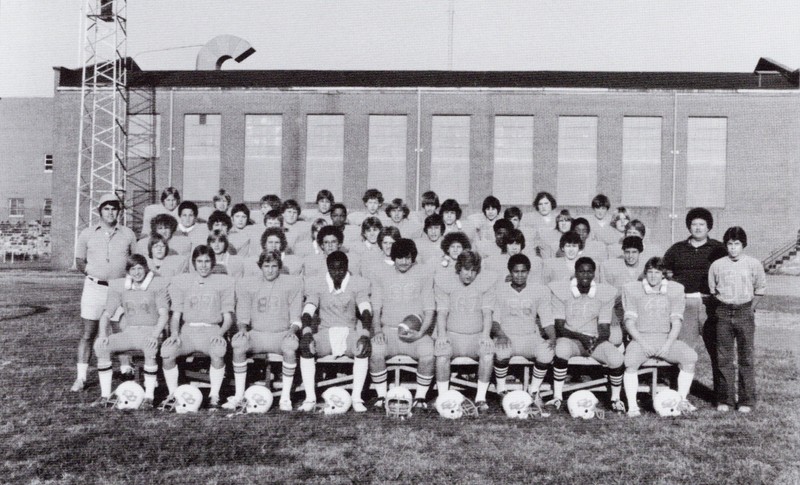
[{"x": 25, "y": 241}]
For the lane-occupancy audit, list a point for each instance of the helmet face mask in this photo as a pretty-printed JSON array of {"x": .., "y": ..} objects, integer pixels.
[
  {"x": 667, "y": 403},
  {"x": 583, "y": 404},
  {"x": 187, "y": 399},
  {"x": 337, "y": 401},
  {"x": 399, "y": 403},
  {"x": 258, "y": 399},
  {"x": 517, "y": 404},
  {"x": 452, "y": 404},
  {"x": 128, "y": 395}
]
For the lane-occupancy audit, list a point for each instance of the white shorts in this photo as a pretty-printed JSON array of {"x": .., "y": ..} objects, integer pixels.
[{"x": 93, "y": 299}]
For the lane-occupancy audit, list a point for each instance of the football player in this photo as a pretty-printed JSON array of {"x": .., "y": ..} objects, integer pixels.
[
  {"x": 268, "y": 319},
  {"x": 337, "y": 294},
  {"x": 158, "y": 260},
  {"x": 274, "y": 239},
  {"x": 405, "y": 292},
  {"x": 143, "y": 298},
  {"x": 221, "y": 201},
  {"x": 582, "y": 310},
  {"x": 563, "y": 268},
  {"x": 653, "y": 316},
  {"x": 600, "y": 221},
  {"x": 205, "y": 303},
  {"x": 296, "y": 230},
  {"x": 170, "y": 198},
  {"x": 430, "y": 205},
  {"x": 484, "y": 222},
  {"x": 244, "y": 236},
  {"x": 464, "y": 323},
  {"x": 451, "y": 214},
  {"x": 188, "y": 226},
  {"x": 591, "y": 248},
  {"x": 618, "y": 272},
  {"x": 269, "y": 202},
  {"x": 378, "y": 263},
  {"x": 351, "y": 233},
  {"x": 429, "y": 245},
  {"x": 514, "y": 305},
  {"x": 324, "y": 202},
  {"x": 165, "y": 225},
  {"x": 101, "y": 254},
  {"x": 329, "y": 240},
  {"x": 370, "y": 229},
  {"x": 397, "y": 212},
  {"x": 373, "y": 200}
]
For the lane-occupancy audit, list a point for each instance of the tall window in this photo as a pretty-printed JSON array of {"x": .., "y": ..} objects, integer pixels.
[
  {"x": 641, "y": 161},
  {"x": 706, "y": 160},
  {"x": 387, "y": 155},
  {"x": 47, "y": 209},
  {"x": 450, "y": 157},
  {"x": 513, "y": 159},
  {"x": 144, "y": 136},
  {"x": 262, "y": 155},
  {"x": 48, "y": 163},
  {"x": 577, "y": 159},
  {"x": 324, "y": 155},
  {"x": 16, "y": 207},
  {"x": 201, "y": 156}
]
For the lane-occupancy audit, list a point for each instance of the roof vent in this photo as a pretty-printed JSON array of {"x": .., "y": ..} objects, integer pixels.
[{"x": 220, "y": 49}]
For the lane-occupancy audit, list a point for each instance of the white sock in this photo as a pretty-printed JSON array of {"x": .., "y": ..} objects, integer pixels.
[
  {"x": 125, "y": 369},
  {"x": 215, "y": 377},
  {"x": 360, "y": 368},
  {"x": 482, "y": 388},
  {"x": 82, "y": 370},
  {"x": 308, "y": 370},
  {"x": 286, "y": 390},
  {"x": 443, "y": 386},
  {"x": 381, "y": 388},
  {"x": 149, "y": 385},
  {"x": 685, "y": 383},
  {"x": 615, "y": 390},
  {"x": 500, "y": 385},
  {"x": 105, "y": 382},
  {"x": 536, "y": 383},
  {"x": 631, "y": 382},
  {"x": 239, "y": 381},
  {"x": 558, "y": 390},
  {"x": 422, "y": 392},
  {"x": 171, "y": 376}
]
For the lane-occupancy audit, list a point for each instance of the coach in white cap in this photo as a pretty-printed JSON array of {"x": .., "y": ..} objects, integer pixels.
[{"x": 101, "y": 255}]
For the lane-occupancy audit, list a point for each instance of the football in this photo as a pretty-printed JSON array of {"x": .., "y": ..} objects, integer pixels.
[{"x": 410, "y": 323}]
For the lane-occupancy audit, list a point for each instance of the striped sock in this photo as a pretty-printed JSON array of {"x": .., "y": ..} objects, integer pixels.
[
  {"x": 559, "y": 376},
  {"x": 379, "y": 379},
  {"x": 615, "y": 379},
  {"x": 539, "y": 372},
  {"x": 150, "y": 374},
  {"x": 500, "y": 374},
  {"x": 239, "y": 379},
  {"x": 423, "y": 384},
  {"x": 104, "y": 375},
  {"x": 287, "y": 378}
]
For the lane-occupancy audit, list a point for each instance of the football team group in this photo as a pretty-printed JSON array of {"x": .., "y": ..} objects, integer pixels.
[{"x": 228, "y": 282}]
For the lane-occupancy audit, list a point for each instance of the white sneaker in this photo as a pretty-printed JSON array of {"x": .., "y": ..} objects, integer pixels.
[
  {"x": 745, "y": 409},
  {"x": 634, "y": 413},
  {"x": 285, "y": 405},
  {"x": 723, "y": 408},
  {"x": 307, "y": 406},
  {"x": 78, "y": 385},
  {"x": 359, "y": 407},
  {"x": 233, "y": 403}
]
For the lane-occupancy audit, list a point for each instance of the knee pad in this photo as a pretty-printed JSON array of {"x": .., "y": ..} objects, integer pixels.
[{"x": 445, "y": 351}]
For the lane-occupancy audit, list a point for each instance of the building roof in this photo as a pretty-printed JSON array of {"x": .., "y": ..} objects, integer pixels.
[{"x": 282, "y": 79}]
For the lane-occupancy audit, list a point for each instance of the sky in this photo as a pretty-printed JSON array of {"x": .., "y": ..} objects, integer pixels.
[{"x": 502, "y": 35}]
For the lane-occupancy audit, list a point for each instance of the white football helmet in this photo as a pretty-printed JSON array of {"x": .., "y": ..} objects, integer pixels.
[
  {"x": 517, "y": 404},
  {"x": 187, "y": 399},
  {"x": 583, "y": 404},
  {"x": 667, "y": 403},
  {"x": 129, "y": 395},
  {"x": 399, "y": 403},
  {"x": 258, "y": 399},
  {"x": 337, "y": 401},
  {"x": 452, "y": 404}
]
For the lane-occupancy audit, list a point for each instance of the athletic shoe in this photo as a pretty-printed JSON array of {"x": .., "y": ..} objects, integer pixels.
[
  {"x": 618, "y": 406},
  {"x": 686, "y": 407},
  {"x": 232, "y": 404},
  {"x": 213, "y": 403},
  {"x": 420, "y": 403},
  {"x": 482, "y": 406},
  {"x": 78, "y": 385},
  {"x": 723, "y": 408},
  {"x": 379, "y": 403},
  {"x": 103, "y": 402},
  {"x": 634, "y": 413},
  {"x": 285, "y": 405},
  {"x": 359, "y": 407},
  {"x": 554, "y": 404},
  {"x": 745, "y": 409},
  {"x": 307, "y": 406}
]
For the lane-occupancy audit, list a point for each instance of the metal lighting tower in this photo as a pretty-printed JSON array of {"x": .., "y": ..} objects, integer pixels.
[{"x": 104, "y": 106}]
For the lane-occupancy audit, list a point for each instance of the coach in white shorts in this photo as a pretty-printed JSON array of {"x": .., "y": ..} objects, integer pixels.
[{"x": 101, "y": 254}]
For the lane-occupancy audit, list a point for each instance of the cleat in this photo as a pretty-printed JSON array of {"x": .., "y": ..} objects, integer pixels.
[
  {"x": 686, "y": 407},
  {"x": 167, "y": 404},
  {"x": 213, "y": 403},
  {"x": 723, "y": 408},
  {"x": 745, "y": 409},
  {"x": 78, "y": 385},
  {"x": 379, "y": 403},
  {"x": 554, "y": 404},
  {"x": 233, "y": 403},
  {"x": 307, "y": 406},
  {"x": 420, "y": 403},
  {"x": 285, "y": 405},
  {"x": 634, "y": 413},
  {"x": 618, "y": 406},
  {"x": 103, "y": 402},
  {"x": 359, "y": 407},
  {"x": 482, "y": 407}
]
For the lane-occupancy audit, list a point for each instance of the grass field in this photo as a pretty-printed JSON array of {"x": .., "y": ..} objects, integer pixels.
[{"x": 49, "y": 435}]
